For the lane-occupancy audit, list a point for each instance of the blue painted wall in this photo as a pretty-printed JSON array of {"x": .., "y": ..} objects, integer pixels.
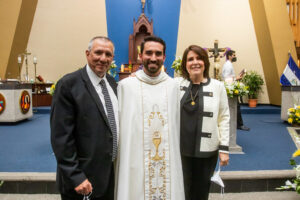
[{"x": 165, "y": 15}]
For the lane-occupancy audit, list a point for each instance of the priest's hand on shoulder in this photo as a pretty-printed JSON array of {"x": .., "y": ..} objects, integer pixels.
[
  {"x": 84, "y": 188},
  {"x": 224, "y": 158}
]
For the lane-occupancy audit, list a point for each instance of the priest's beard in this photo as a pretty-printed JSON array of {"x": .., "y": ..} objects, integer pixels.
[{"x": 152, "y": 67}]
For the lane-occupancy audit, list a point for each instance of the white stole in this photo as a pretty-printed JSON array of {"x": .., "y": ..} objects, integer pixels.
[{"x": 156, "y": 137}]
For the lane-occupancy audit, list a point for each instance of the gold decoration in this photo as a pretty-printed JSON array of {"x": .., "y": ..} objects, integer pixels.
[
  {"x": 156, "y": 141},
  {"x": 193, "y": 98},
  {"x": 157, "y": 166}
]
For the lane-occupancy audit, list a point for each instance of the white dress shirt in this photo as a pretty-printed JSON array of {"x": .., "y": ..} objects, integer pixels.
[{"x": 114, "y": 100}]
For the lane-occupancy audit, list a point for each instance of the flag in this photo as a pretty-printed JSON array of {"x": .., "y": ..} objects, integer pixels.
[{"x": 291, "y": 74}]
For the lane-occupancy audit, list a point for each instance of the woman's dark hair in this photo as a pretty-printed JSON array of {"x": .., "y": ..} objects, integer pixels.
[{"x": 202, "y": 55}]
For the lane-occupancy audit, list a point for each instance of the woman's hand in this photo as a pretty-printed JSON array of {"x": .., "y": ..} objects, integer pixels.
[{"x": 224, "y": 158}]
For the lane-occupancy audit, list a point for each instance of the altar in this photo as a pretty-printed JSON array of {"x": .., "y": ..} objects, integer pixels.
[
  {"x": 290, "y": 96},
  {"x": 15, "y": 101}
]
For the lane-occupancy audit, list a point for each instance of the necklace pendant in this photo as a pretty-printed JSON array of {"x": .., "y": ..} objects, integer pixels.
[{"x": 193, "y": 103}]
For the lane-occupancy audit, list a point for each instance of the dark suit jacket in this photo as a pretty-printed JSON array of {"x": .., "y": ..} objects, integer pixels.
[{"x": 80, "y": 134}]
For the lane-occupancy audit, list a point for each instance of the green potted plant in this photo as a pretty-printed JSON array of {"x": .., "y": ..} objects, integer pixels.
[{"x": 254, "y": 81}]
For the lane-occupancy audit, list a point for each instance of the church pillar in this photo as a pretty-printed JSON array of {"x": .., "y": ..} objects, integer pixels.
[
  {"x": 275, "y": 40},
  {"x": 16, "y": 18}
]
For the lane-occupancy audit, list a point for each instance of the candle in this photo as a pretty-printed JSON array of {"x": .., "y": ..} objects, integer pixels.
[
  {"x": 19, "y": 59},
  {"x": 139, "y": 49},
  {"x": 122, "y": 68},
  {"x": 163, "y": 68},
  {"x": 34, "y": 60}
]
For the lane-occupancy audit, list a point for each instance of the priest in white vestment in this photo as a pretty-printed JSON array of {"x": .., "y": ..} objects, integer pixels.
[{"x": 149, "y": 162}]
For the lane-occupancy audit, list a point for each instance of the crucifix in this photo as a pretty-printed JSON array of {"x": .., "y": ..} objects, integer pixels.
[
  {"x": 143, "y": 5},
  {"x": 25, "y": 54},
  {"x": 215, "y": 52}
]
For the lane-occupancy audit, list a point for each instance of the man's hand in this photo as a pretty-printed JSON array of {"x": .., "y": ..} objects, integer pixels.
[
  {"x": 84, "y": 188},
  {"x": 224, "y": 158}
]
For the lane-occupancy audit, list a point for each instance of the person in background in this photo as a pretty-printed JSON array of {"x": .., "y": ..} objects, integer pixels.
[
  {"x": 204, "y": 123},
  {"x": 228, "y": 75},
  {"x": 84, "y": 126}
]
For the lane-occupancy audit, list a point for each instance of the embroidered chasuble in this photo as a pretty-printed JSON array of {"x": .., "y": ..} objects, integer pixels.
[{"x": 149, "y": 163}]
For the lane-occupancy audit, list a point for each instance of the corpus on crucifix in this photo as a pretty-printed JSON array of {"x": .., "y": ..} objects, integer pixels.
[
  {"x": 143, "y": 5},
  {"x": 25, "y": 54},
  {"x": 215, "y": 52}
]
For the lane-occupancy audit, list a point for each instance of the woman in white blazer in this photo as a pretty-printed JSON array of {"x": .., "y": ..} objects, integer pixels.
[{"x": 204, "y": 123}]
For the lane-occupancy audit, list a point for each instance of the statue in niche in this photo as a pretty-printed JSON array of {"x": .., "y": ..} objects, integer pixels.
[{"x": 141, "y": 29}]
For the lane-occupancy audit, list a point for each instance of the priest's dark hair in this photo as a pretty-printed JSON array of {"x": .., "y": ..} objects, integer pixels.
[
  {"x": 202, "y": 55},
  {"x": 229, "y": 53},
  {"x": 153, "y": 38}
]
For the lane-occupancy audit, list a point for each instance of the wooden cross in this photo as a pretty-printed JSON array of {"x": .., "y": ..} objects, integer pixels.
[{"x": 215, "y": 52}]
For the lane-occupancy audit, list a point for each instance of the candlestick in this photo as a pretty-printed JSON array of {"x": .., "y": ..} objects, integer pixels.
[
  {"x": 34, "y": 60},
  {"x": 19, "y": 59},
  {"x": 19, "y": 65},
  {"x": 26, "y": 64}
]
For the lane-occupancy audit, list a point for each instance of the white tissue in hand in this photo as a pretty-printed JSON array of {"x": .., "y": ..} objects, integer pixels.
[{"x": 217, "y": 179}]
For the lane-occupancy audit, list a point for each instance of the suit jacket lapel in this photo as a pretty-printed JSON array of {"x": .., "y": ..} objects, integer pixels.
[
  {"x": 94, "y": 94},
  {"x": 112, "y": 83}
]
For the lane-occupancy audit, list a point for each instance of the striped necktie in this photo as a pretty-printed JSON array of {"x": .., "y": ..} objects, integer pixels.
[{"x": 111, "y": 117}]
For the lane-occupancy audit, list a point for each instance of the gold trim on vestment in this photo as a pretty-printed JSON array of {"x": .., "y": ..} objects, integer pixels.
[{"x": 156, "y": 148}]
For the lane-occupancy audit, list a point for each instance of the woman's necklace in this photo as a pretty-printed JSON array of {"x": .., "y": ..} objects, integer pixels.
[{"x": 193, "y": 98}]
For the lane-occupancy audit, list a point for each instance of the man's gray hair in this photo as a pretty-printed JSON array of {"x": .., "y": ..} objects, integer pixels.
[{"x": 103, "y": 38}]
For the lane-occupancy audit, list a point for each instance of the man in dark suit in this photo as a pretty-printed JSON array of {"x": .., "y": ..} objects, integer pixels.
[{"x": 84, "y": 119}]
